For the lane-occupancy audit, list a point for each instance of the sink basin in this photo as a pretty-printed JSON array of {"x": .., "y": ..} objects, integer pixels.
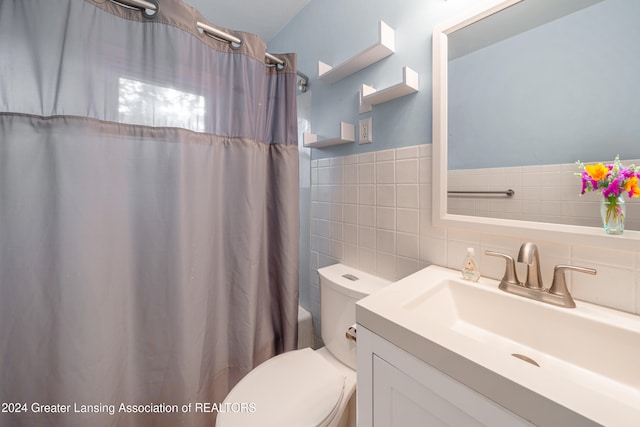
[{"x": 585, "y": 359}]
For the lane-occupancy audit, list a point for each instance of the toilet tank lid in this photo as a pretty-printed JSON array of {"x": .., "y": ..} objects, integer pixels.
[{"x": 351, "y": 280}]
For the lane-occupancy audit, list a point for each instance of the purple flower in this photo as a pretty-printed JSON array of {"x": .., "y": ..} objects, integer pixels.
[
  {"x": 584, "y": 185},
  {"x": 613, "y": 189}
]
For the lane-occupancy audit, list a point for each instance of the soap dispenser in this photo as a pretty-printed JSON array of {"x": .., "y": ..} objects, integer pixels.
[{"x": 470, "y": 267}]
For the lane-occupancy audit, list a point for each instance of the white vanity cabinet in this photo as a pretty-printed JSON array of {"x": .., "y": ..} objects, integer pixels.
[
  {"x": 434, "y": 349},
  {"x": 397, "y": 389}
]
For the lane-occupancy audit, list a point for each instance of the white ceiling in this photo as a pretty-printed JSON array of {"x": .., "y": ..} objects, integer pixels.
[{"x": 262, "y": 17}]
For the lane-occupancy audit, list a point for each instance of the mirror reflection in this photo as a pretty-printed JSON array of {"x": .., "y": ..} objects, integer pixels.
[{"x": 531, "y": 90}]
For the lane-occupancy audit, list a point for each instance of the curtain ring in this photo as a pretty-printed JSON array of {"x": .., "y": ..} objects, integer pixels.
[
  {"x": 150, "y": 13},
  {"x": 234, "y": 45},
  {"x": 273, "y": 61}
]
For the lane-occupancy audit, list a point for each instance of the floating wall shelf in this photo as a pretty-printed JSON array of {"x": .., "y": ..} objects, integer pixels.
[
  {"x": 384, "y": 47},
  {"x": 347, "y": 134},
  {"x": 370, "y": 96}
]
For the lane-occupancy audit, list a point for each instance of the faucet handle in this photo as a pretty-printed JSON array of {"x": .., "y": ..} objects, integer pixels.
[
  {"x": 510, "y": 275},
  {"x": 559, "y": 284}
]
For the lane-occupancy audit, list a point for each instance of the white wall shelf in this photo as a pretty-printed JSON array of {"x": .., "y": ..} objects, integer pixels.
[
  {"x": 384, "y": 47},
  {"x": 370, "y": 96},
  {"x": 347, "y": 134}
]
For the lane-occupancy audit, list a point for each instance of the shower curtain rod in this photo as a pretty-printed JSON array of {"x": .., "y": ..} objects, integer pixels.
[
  {"x": 272, "y": 59},
  {"x": 208, "y": 29}
]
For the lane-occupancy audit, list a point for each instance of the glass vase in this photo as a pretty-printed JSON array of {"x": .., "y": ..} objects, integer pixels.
[{"x": 612, "y": 210}]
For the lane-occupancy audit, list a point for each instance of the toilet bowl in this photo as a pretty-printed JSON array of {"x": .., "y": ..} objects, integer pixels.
[{"x": 307, "y": 388}]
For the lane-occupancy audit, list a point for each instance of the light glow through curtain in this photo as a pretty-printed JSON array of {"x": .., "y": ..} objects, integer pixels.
[{"x": 148, "y": 214}]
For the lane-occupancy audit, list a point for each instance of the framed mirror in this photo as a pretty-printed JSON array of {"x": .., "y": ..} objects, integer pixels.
[{"x": 522, "y": 90}]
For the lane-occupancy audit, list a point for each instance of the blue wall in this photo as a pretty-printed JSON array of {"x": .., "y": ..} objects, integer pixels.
[
  {"x": 564, "y": 91},
  {"x": 333, "y": 31}
]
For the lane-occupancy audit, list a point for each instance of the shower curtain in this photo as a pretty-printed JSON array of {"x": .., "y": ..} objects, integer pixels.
[{"x": 148, "y": 214}]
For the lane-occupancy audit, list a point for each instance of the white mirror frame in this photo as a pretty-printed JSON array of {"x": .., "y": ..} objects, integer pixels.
[{"x": 592, "y": 236}]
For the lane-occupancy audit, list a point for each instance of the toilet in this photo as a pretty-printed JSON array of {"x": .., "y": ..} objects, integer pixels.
[{"x": 307, "y": 388}]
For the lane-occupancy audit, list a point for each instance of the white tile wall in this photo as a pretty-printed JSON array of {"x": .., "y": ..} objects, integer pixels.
[
  {"x": 365, "y": 213},
  {"x": 542, "y": 193},
  {"x": 372, "y": 211}
]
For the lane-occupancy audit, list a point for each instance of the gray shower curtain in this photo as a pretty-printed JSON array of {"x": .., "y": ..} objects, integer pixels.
[{"x": 148, "y": 214}]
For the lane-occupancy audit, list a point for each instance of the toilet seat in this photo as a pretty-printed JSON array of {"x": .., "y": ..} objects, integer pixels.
[{"x": 297, "y": 388}]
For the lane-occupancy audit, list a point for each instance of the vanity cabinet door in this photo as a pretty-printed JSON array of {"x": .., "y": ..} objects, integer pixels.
[{"x": 402, "y": 391}]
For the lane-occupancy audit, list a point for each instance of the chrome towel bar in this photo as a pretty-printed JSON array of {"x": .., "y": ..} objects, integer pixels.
[{"x": 508, "y": 193}]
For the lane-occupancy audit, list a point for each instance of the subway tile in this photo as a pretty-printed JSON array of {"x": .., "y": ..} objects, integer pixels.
[
  {"x": 386, "y": 266},
  {"x": 367, "y": 237},
  {"x": 335, "y": 249},
  {"x": 385, "y": 173},
  {"x": 350, "y": 194},
  {"x": 325, "y": 260},
  {"x": 407, "y": 196},
  {"x": 323, "y": 210},
  {"x": 366, "y": 216},
  {"x": 620, "y": 287},
  {"x": 424, "y": 196},
  {"x": 324, "y": 163},
  {"x": 407, "y": 153},
  {"x": 386, "y": 195},
  {"x": 385, "y": 155},
  {"x": 315, "y": 293},
  {"x": 350, "y": 233},
  {"x": 408, "y": 245},
  {"x": 366, "y": 259},
  {"x": 350, "y": 255},
  {"x": 350, "y": 214},
  {"x": 337, "y": 161},
  {"x": 350, "y": 174},
  {"x": 426, "y": 225},
  {"x": 323, "y": 228},
  {"x": 385, "y": 241},
  {"x": 386, "y": 218},
  {"x": 324, "y": 246},
  {"x": 335, "y": 193},
  {"x": 425, "y": 150},
  {"x": 335, "y": 175},
  {"x": 407, "y": 171},
  {"x": 322, "y": 193},
  {"x": 351, "y": 159},
  {"x": 425, "y": 170},
  {"x": 366, "y": 157},
  {"x": 497, "y": 181},
  {"x": 367, "y": 195},
  {"x": 366, "y": 173},
  {"x": 336, "y": 230},
  {"x": 407, "y": 220},
  {"x": 592, "y": 255}
]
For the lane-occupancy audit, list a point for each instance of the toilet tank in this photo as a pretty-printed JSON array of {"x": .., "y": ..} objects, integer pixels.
[{"x": 340, "y": 288}]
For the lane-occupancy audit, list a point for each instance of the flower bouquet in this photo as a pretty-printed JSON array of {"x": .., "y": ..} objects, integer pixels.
[{"x": 613, "y": 181}]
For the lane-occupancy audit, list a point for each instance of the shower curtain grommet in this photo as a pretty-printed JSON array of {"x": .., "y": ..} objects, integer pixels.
[{"x": 150, "y": 13}]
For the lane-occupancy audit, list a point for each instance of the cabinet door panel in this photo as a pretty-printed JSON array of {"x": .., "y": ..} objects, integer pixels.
[{"x": 401, "y": 401}]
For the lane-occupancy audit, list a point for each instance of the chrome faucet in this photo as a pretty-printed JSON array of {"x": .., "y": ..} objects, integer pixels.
[{"x": 558, "y": 294}]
